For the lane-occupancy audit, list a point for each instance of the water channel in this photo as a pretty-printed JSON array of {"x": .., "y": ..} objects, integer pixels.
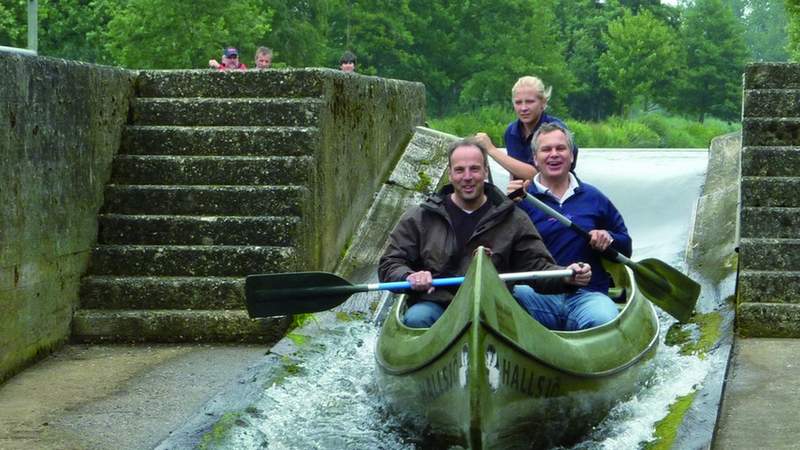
[{"x": 332, "y": 402}]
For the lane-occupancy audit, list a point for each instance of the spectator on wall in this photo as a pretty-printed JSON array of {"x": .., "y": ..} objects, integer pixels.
[
  {"x": 348, "y": 62},
  {"x": 230, "y": 61}
]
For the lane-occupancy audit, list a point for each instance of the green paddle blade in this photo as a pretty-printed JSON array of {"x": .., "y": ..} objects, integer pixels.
[
  {"x": 280, "y": 294},
  {"x": 671, "y": 290}
]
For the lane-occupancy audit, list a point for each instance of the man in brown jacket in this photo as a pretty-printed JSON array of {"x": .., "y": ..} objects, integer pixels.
[{"x": 439, "y": 237}]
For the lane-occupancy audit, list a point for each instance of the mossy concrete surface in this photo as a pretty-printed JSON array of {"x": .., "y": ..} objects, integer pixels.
[
  {"x": 714, "y": 235},
  {"x": 60, "y": 127},
  {"x": 768, "y": 303},
  {"x": 762, "y": 396},
  {"x": 117, "y": 396}
]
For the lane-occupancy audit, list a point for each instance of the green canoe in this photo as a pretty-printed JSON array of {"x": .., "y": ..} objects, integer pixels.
[{"x": 487, "y": 375}]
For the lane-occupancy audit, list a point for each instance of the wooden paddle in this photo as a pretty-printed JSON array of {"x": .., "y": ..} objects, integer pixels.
[
  {"x": 662, "y": 284},
  {"x": 279, "y": 294}
]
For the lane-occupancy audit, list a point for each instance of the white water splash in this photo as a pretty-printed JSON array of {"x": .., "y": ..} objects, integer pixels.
[{"x": 332, "y": 403}]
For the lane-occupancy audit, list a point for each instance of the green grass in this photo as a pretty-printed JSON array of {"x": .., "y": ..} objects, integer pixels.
[{"x": 653, "y": 130}]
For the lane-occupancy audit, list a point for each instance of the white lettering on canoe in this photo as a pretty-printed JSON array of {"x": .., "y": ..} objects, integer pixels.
[
  {"x": 508, "y": 373},
  {"x": 445, "y": 377}
]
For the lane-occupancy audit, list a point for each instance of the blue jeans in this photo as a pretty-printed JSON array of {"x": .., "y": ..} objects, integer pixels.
[
  {"x": 423, "y": 314},
  {"x": 567, "y": 312}
]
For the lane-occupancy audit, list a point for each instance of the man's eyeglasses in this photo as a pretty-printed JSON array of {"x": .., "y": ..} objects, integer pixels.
[{"x": 233, "y": 56}]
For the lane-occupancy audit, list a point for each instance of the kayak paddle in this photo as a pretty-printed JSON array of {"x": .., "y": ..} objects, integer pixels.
[
  {"x": 280, "y": 294},
  {"x": 662, "y": 284}
]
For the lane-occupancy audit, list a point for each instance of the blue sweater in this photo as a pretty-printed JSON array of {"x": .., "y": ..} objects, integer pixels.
[
  {"x": 518, "y": 146},
  {"x": 589, "y": 209}
]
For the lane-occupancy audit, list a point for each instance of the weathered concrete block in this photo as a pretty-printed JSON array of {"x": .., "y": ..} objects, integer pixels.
[
  {"x": 770, "y": 131},
  {"x": 205, "y": 200},
  {"x": 234, "y": 84},
  {"x": 771, "y": 161},
  {"x": 769, "y": 222},
  {"x": 770, "y": 192},
  {"x": 772, "y": 103},
  {"x": 189, "y": 260},
  {"x": 229, "y": 141},
  {"x": 159, "y": 292},
  {"x": 212, "y": 170},
  {"x": 768, "y": 320},
  {"x": 759, "y": 286},
  {"x": 297, "y": 112},
  {"x": 60, "y": 126},
  {"x": 769, "y": 254},
  {"x": 175, "y": 326},
  {"x": 198, "y": 230},
  {"x": 772, "y": 76}
]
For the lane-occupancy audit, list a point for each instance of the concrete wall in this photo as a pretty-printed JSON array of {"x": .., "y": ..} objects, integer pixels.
[
  {"x": 768, "y": 296},
  {"x": 363, "y": 131},
  {"x": 60, "y": 126}
]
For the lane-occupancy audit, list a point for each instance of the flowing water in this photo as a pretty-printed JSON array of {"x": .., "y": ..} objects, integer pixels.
[{"x": 331, "y": 402}]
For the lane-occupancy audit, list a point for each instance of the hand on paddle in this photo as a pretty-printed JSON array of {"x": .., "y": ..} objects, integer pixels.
[
  {"x": 421, "y": 281},
  {"x": 581, "y": 274},
  {"x": 600, "y": 239}
]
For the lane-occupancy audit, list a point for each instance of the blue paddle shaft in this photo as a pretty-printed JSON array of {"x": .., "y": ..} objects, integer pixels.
[{"x": 455, "y": 281}]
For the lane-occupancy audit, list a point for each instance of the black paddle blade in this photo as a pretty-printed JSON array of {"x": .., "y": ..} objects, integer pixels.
[
  {"x": 280, "y": 294},
  {"x": 671, "y": 290}
]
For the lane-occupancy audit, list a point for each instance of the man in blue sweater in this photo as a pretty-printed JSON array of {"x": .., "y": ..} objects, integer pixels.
[{"x": 588, "y": 208}]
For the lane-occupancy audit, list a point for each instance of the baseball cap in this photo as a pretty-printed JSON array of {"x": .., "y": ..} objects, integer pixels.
[{"x": 230, "y": 51}]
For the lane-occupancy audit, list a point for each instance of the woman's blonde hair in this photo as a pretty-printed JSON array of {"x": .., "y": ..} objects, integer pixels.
[{"x": 535, "y": 83}]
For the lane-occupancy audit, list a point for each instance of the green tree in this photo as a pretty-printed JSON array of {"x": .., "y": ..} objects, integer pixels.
[
  {"x": 641, "y": 60},
  {"x": 715, "y": 57},
  {"x": 299, "y": 35},
  {"x": 73, "y": 29},
  {"x": 159, "y": 34},
  {"x": 793, "y": 16},
  {"x": 498, "y": 53},
  {"x": 13, "y": 23},
  {"x": 765, "y": 28},
  {"x": 582, "y": 24}
]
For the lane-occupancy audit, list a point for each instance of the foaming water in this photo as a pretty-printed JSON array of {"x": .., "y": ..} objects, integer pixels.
[{"x": 332, "y": 401}]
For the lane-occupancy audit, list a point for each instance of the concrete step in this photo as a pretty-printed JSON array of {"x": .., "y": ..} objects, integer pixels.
[
  {"x": 203, "y": 293},
  {"x": 769, "y": 254},
  {"x": 205, "y": 200},
  {"x": 776, "y": 320},
  {"x": 771, "y": 161},
  {"x": 197, "y": 230},
  {"x": 769, "y": 286},
  {"x": 190, "y": 260},
  {"x": 252, "y": 83},
  {"x": 770, "y": 131},
  {"x": 91, "y": 325},
  {"x": 207, "y": 140},
  {"x": 772, "y": 103},
  {"x": 227, "y": 170},
  {"x": 297, "y": 112},
  {"x": 771, "y": 76},
  {"x": 769, "y": 222},
  {"x": 770, "y": 192}
]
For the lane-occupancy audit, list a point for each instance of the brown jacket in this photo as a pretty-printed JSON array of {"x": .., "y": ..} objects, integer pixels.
[{"x": 424, "y": 239}]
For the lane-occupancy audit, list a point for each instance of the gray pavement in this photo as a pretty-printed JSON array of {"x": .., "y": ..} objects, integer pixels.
[
  {"x": 762, "y": 396},
  {"x": 117, "y": 396}
]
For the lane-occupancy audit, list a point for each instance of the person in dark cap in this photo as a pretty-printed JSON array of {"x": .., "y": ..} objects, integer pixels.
[
  {"x": 348, "y": 62},
  {"x": 230, "y": 60}
]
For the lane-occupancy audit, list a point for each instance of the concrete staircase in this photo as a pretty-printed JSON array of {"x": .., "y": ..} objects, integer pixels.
[
  {"x": 208, "y": 186},
  {"x": 769, "y": 221}
]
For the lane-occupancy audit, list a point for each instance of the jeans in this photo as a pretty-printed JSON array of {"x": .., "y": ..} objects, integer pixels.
[
  {"x": 423, "y": 314},
  {"x": 567, "y": 312}
]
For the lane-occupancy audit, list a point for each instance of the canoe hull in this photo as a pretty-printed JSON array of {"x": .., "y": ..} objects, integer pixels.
[{"x": 488, "y": 384}]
